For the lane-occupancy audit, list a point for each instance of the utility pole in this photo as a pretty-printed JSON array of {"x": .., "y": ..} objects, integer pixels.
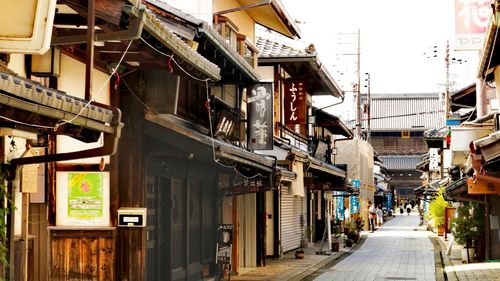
[
  {"x": 358, "y": 89},
  {"x": 447, "y": 88},
  {"x": 368, "y": 106}
]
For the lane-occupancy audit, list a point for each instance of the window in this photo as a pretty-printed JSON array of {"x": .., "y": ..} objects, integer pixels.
[{"x": 192, "y": 99}]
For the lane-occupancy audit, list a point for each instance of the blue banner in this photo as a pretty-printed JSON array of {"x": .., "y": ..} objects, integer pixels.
[
  {"x": 354, "y": 200},
  {"x": 339, "y": 203}
]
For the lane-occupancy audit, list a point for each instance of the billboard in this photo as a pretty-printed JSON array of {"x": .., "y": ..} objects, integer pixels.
[
  {"x": 471, "y": 21},
  {"x": 260, "y": 116}
]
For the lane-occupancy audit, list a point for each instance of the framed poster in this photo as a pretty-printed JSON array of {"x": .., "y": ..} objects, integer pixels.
[{"x": 82, "y": 199}]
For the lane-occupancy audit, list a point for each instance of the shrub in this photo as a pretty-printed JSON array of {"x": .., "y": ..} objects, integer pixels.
[
  {"x": 437, "y": 208},
  {"x": 469, "y": 223}
]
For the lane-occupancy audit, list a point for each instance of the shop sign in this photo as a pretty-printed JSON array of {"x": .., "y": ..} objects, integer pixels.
[
  {"x": 295, "y": 102},
  {"x": 471, "y": 21},
  {"x": 354, "y": 200},
  {"x": 479, "y": 186},
  {"x": 245, "y": 185},
  {"x": 224, "y": 243},
  {"x": 260, "y": 117}
]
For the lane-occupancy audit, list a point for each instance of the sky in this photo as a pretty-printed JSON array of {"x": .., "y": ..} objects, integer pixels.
[{"x": 396, "y": 38}]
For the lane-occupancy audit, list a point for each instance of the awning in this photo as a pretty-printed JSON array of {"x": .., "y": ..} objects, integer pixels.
[
  {"x": 29, "y": 105},
  {"x": 211, "y": 147},
  {"x": 318, "y": 165},
  {"x": 303, "y": 64},
  {"x": 457, "y": 191},
  {"x": 269, "y": 13},
  {"x": 331, "y": 122}
]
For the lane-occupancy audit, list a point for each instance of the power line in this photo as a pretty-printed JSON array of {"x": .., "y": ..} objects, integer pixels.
[{"x": 400, "y": 115}]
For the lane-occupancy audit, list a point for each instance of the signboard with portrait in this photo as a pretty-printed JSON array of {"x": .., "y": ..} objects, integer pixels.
[
  {"x": 295, "y": 102},
  {"x": 260, "y": 116},
  {"x": 82, "y": 198},
  {"x": 224, "y": 243},
  {"x": 471, "y": 21}
]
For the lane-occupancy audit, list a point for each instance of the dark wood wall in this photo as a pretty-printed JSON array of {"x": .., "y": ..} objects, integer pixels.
[{"x": 128, "y": 188}]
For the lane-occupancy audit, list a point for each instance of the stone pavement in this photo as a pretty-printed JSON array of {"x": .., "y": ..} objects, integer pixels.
[
  {"x": 398, "y": 251},
  {"x": 456, "y": 270},
  {"x": 290, "y": 268}
]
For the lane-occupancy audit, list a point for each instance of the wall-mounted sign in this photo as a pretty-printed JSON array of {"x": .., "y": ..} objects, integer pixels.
[
  {"x": 244, "y": 185},
  {"x": 132, "y": 217},
  {"x": 471, "y": 21},
  {"x": 260, "y": 117},
  {"x": 224, "y": 243},
  {"x": 295, "y": 102},
  {"x": 82, "y": 198}
]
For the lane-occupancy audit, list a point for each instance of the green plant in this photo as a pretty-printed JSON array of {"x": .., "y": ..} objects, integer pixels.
[
  {"x": 469, "y": 223},
  {"x": 5, "y": 209},
  {"x": 437, "y": 208}
]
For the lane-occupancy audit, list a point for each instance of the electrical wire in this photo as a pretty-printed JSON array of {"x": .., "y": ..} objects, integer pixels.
[
  {"x": 399, "y": 115},
  {"x": 171, "y": 58},
  {"x": 100, "y": 89},
  {"x": 137, "y": 97}
]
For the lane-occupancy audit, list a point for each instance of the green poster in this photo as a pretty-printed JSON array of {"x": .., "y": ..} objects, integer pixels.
[{"x": 85, "y": 196}]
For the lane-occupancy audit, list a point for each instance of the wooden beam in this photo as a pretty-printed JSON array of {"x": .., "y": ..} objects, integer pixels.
[
  {"x": 89, "y": 65},
  {"x": 108, "y": 10}
]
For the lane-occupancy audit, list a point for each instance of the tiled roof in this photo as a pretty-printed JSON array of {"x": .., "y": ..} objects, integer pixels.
[
  {"x": 401, "y": 162},
  {"x": 406, "y": 112},
  {"x": 269, "y": 48}
]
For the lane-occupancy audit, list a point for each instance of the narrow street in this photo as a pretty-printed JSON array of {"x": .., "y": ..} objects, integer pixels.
[{"x": 395, "y": 252}]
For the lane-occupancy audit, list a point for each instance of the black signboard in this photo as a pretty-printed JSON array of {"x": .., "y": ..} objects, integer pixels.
[
  {"x": 260, "y": 116},
  {"x": 224, "y": 243}
]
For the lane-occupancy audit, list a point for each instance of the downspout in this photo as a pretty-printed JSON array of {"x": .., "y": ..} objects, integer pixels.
[{"x": 110, "y": 144}]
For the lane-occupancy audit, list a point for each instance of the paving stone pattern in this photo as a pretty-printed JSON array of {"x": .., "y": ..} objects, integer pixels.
[{"x": 395, "y": 252}]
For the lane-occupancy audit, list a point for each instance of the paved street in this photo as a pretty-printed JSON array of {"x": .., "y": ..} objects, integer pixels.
[{"x": 395, "y": 252}]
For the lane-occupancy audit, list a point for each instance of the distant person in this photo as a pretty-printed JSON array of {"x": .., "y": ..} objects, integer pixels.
[
  {"x": 371, "y": 216},
  {"x": 347, "y": 215},
  {"x": 408, "y": 208},
  {"x": 380, "y": 215},
  {"x": 401, "y": 208}
]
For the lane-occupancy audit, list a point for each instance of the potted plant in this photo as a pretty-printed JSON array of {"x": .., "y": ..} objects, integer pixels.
[
  {"x": 437, "y": 209},
  {"x": 352, "y": 235},
  {"x": 299, "y": 253},
  {"x": 468, "y": 228}
]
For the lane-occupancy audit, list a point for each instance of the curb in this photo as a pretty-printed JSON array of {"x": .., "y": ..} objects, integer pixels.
[{"x": 442, "y": 261}]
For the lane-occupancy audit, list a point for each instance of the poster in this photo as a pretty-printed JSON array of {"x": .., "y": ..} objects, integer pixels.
[
  {"x": 85, "y": 195},
  {"x": 82, "y": 199}
]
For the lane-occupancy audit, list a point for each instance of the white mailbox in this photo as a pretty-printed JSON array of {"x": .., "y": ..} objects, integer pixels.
[{"x": 132, "y": 217}]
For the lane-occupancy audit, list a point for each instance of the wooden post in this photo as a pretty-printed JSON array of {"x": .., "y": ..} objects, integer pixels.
[
  {"x": 24, "y": 236},
  {"x": 90, "y": 49}
]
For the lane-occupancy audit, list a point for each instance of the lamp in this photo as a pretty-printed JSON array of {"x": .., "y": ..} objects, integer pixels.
[{"x": 48, "y": 64}]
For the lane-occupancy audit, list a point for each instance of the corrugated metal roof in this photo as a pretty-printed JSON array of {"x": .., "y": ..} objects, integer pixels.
[
  {"x": 401, "y": 162},
  {"x": 405, "y": 112}
]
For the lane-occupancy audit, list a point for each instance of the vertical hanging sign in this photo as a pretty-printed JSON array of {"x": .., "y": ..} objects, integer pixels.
[
  {"x": 295, "y": 102},
  {"x": 260, "y": 116},
  {"x": 471, "y": 21}
]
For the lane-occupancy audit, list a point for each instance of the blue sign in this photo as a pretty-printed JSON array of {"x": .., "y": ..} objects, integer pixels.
[
  {"x": 339, "y": 213},
  {"x": 354, "y": 200}
]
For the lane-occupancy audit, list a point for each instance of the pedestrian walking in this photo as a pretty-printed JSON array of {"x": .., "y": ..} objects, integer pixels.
[
  {"x": 401, "y": 209},
  {"x": 371, "y": 216},
  {"x": 380, "y": 215},
  {"x": 408, "y": 208}
]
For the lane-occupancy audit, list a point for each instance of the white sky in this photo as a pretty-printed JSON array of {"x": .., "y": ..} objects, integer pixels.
[{"x": 395, "y": 34}]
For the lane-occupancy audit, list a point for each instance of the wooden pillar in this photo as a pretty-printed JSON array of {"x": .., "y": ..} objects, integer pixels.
[{"x": 234, "y": 254}]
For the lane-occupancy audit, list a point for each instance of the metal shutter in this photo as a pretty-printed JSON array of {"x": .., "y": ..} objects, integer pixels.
[{"x": 291, "y": 220}]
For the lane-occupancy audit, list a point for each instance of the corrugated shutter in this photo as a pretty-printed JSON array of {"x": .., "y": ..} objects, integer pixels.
[{"x": 291, "y": 220}]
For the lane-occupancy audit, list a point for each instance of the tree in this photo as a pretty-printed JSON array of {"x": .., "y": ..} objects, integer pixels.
[{"x": 437, "y": 208}]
